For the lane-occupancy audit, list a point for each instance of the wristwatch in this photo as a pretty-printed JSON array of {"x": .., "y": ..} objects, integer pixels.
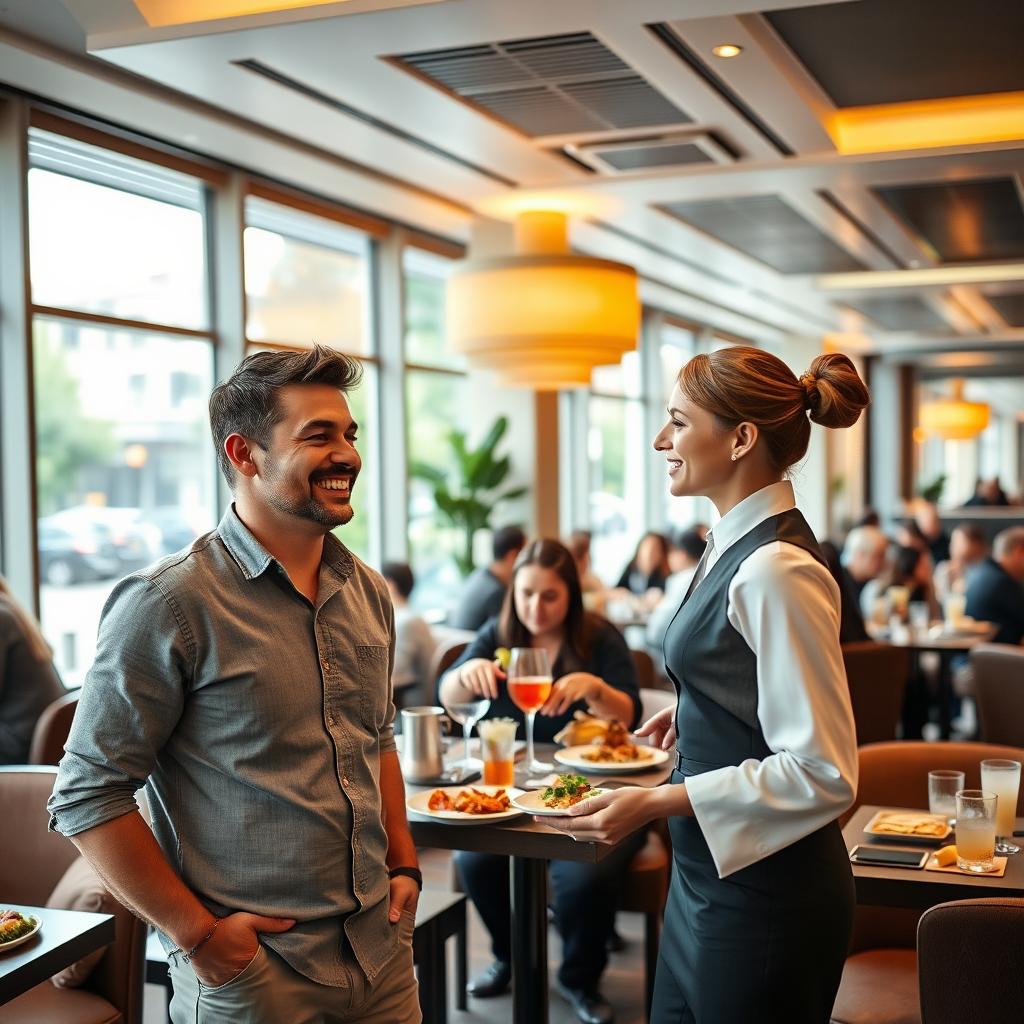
[{"x": 414, "y": 873}]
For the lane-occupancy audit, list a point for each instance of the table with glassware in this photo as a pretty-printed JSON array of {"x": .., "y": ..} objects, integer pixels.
[
  {"x": 947, "y": 643},
  {"x": 530, "y": 845},
  {"x": 62, "y": 938}
]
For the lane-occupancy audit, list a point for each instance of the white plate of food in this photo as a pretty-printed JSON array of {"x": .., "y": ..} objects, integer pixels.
[
  {"x": 602, "y": 759},
  {"x": 915, "y": 827},
  {"x": 21, "y": 928},
  {"x": 567, "y": 791},
  {"x": 465, "y": 805}
]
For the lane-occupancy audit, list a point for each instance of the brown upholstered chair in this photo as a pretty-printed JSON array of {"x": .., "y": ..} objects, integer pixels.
[
  {"x": 877, "y": 676},
  {"x": 646, "y": 677},
  {"x": 969, "y": 961},
  {"x": 29, "y": 870},
  {"x": 997, "y": 682},
  {"x": 879, "y": 983},
  {"x": 51, "y": 731},
  {"x": 445, "y": 656}
]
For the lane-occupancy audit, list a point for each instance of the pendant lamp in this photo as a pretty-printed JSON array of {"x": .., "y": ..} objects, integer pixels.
[
  {"x": 544, "y": 317},
  {"x": 954, "y": 418}
]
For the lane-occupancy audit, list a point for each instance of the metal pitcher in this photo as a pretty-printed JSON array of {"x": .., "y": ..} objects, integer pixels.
[{"x": 422, "y": 758}]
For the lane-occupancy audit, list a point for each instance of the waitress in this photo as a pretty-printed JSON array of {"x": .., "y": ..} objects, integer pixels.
[{"x": 761, "y": 902}]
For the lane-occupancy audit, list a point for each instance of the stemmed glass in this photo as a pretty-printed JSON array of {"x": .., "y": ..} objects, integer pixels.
[
  {"x": 467, "y": 713},
  {"x": 529, "y": 686}
]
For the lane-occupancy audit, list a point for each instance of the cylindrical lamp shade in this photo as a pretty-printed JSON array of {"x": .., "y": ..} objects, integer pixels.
[
  {"x": 543, "y": 321},
  {"x": 954, "y": 418}
]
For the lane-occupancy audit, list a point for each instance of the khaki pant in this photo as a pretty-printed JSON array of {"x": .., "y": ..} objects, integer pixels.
[{"x": 269, "y": 991}]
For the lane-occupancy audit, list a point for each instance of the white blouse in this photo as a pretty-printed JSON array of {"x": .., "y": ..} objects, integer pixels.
[{"x": 785, "y": 605}]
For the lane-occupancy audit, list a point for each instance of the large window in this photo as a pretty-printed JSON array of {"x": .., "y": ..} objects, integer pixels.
[
  {"x": 435, "y": 404},
  {"x": 124, "y": 463},
  {"x": 307, "y": 281},
  {"x": 677, "y": 345}
]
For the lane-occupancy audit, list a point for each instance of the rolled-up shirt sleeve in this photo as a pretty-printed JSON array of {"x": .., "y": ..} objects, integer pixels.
[
  {"x": 387, "y": 742},
  {"x": 785, "y": 606},
  {"x": 130, "y": 703}
]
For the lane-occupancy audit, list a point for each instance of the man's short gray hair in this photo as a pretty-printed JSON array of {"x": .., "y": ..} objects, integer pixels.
[
  {"x": 1007, "y": 542},
  {"x": 863, "y": 540}
]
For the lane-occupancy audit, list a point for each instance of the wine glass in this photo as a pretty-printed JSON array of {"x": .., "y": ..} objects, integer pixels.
[
  {"x": 467, "y": 713},
  {"x": 529, "y": 686}
]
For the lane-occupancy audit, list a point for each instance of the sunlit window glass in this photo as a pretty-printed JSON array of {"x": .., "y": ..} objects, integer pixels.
[
  {"x": 124, "y": 467},
  {"x": 134, "y": 251},
  {"x": 678, "y": 346},
  {"x": 424, "y": 277},
  {"x": 306, "y": 279}
]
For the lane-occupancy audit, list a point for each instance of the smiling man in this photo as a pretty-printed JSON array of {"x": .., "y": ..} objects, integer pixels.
[{"x": 245, "y": 682}]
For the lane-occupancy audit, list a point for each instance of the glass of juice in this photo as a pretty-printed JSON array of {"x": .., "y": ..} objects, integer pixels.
[
  {"x": 497, "y": 747},
  {"x": 975, "y": 830},
  {"x": 1003, "y": 778},
  {"x": 529, "y": 686}
]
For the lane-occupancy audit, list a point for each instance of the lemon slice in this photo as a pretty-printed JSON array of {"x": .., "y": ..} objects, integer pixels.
[{"x": 503, "y": 656}]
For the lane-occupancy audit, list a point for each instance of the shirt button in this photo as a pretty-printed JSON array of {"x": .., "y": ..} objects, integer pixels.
[
  {"x": 344, "y": 780},
  {"x": 330, "y": 719},
  {"x": 326, "y": 667}
]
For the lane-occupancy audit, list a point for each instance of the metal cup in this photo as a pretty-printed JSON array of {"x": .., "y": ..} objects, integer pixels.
[{"x": 422, "y": 757}]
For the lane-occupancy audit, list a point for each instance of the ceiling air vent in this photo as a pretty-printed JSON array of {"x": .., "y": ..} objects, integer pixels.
[
  {"x": 555, "y": 85},
  {"x": 626, "y": 156}
]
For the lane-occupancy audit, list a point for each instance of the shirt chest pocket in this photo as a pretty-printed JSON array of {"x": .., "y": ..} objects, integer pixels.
[{"x": 374, "y": 684}]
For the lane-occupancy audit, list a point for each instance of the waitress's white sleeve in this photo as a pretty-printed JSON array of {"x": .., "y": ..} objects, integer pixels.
[{"x": 785, "y": 605}]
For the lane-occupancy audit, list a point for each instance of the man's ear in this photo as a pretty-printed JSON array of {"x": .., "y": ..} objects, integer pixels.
[{"x": 240, "y": 451}]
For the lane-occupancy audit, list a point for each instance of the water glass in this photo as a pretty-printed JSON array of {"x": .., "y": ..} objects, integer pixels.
[
  {"x": 1003, "y": 778},
  {"x": 467, "y": 713},
  {"x": 943, "y": 786},
  {"x": 920, "y": 619},
  {"x": 975, "y": 830}
]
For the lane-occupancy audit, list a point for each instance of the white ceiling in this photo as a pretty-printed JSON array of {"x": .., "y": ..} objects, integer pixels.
[{"x": 338, "y": 50}]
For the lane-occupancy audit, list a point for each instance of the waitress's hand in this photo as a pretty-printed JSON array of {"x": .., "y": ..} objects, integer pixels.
[
  {"x": 608, "y": 818},
  {"x": 480, "y": 677},
  {"x": 661, "y": 728},
  {"x": 575, "y": 686}
]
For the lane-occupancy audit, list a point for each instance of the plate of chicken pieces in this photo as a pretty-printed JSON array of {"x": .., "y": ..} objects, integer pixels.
[
  {"x": 465, "y": 805},
  {"x": 612, "y": 753}
]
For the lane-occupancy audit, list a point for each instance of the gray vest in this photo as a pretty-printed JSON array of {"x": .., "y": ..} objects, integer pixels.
[{"x": 713, "y": 669}]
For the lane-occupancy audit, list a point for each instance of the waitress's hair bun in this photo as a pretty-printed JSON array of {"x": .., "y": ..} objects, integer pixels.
[
  {"x": 741, "y": 384},
  {"x": 834, "y": 393}
]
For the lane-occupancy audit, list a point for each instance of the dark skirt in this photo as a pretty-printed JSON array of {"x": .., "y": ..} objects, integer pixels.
[{"x": 767, "y": 943}]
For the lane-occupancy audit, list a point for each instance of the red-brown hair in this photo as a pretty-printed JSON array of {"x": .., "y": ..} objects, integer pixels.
[{"x": 741, "y": 384}]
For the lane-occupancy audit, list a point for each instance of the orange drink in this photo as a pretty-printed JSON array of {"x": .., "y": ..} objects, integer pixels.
[
  {"x": 975, "y": 830},
  {"x": 528, "y": 693},
  {"x": 499, "y": 773}
]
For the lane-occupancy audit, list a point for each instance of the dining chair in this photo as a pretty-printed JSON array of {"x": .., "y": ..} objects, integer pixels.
[
  {"x": 879, "y": 984},
  {"x": 29, "y": 870},
  {"x": 52, "y": 729},
  {"x": 877, "y": 676},
  {"x": 445, "y": 655},
  {"x": 997, "y": 683},
  {"x": 644, "y": 665},
  {"x": 969, "y": 961}
]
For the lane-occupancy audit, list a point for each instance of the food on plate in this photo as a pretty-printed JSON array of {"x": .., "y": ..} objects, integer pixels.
[
  {"x": 616, "y": 748},
  {"x": 470, "y": 801},
  {"x": 582, "y": 729},
  {"x": 14, "y": 924},
  {"x": 567, "y": 790},
  {"x": 905, "y": 823}
]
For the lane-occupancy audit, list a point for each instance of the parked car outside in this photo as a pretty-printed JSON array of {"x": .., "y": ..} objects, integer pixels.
[
  {"x": 75, "y": 552},
  {"x": 136, "y": 542}
]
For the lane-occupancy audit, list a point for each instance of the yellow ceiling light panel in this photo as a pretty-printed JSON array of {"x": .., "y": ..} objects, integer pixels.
[
  {"x": 954, "y": 418},
  {"x": 927, "y": 124},
  {"x": 160, "y": 13}
]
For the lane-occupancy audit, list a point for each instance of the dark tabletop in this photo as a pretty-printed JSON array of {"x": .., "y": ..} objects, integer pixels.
[
  {"x": 65, "y": 937},
  {"x": 919, "y": 889},
  {"x": 523, "y": 837}
]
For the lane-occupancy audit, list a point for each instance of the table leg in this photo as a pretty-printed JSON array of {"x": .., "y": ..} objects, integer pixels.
[
  {"x": 945, "y": 694},
  {"x": 529, "y": 941}
]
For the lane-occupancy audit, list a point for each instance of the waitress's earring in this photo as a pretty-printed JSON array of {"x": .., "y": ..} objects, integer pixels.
[{"x": 734, "y": 456}]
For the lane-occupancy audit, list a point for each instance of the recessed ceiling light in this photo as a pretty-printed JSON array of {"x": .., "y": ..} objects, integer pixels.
[{"x": 727, "y": 50}]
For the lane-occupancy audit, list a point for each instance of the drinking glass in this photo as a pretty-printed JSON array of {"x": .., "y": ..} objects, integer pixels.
[
  {"x": 467, "y": 713},
  {"x": 920, "y": 619},
  {"x": 899, "y": 598},
  {"x": 943, "y": 787},
  {"x": 497, "y": 747},
  {"x": 529, "y": 686},
  {"x": 975, "y": 830},
  {"x": 1003, "y": 778},
  {"x": 956, "y": 609}
]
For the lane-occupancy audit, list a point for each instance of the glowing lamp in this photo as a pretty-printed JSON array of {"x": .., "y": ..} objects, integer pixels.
[
  {"x": 545, "y": 317},
  {"x": 953, "y": 418}
]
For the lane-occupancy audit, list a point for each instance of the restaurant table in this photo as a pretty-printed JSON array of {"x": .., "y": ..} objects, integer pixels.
[
  {"x": 530, "y": 845},
  {"x": 64, "y": 938},
  {"x": 919, "y": 889},
  {"x": 947, "y": 648}
]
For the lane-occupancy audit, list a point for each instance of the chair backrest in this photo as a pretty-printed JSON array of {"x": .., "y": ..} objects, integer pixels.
[
  {"x": 445, "y": 656},
  {"x": 653, "y": 701},
  {"x": 644, "y": 665},
  {"x": 877, "y": 676},
  {"x": 31, "y": 867},
  {"x": 51, "y": 731},
  {"x": 997, "y": 680},
  {"x": 968, "y": 957},
  {"x": 896, "y": 774}
]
